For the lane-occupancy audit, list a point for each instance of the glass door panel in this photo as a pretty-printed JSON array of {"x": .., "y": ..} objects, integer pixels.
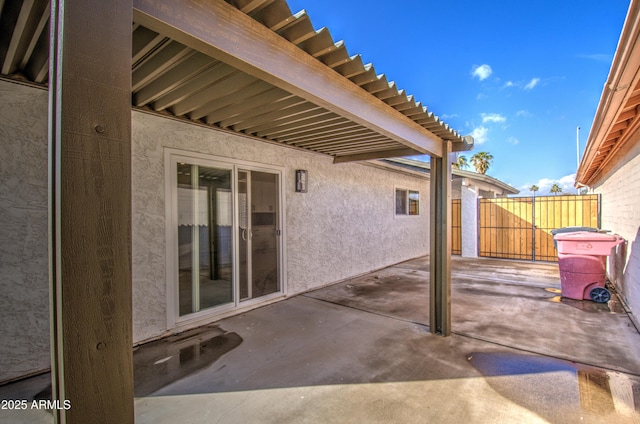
[
  {"x": 264, "y": 234},
  {"x": 243, "y": 235},
  {"x": 258, "y": 233},
  {"x": 205, "y": 248}
]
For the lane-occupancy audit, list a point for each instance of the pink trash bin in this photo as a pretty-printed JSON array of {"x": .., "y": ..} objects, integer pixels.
[
  {"x": 582, "y": 262},
  {"x": 579, "y": 274}
]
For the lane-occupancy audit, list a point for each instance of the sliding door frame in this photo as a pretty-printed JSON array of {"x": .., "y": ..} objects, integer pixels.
[{"x": 172, "y": 158}]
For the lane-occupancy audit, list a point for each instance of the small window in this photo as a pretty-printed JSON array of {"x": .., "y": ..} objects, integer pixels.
[{"x": 407, "y": 202}]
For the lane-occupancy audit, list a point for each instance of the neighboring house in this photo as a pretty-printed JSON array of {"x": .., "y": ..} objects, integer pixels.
[
  {"x": 468, "y": 187},
  {"x": 217, "y": 166},
  {"x": 481, "y": 185},
  {"x": 611, "y": 162}
]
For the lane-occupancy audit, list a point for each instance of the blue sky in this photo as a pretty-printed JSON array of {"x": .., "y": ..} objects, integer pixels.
[{"x": 518, "y": 76}]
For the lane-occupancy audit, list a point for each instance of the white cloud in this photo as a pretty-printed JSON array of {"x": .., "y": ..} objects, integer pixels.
[
  {"x": 599, "y": 57},
  {"x": 492, "y": 117},
  {"x": 482, "y": 72},
  {"x": 523, "y": 114},
  {"x": 479, "y": 135},
  {"x": 449, "y": 116},
  {"x": 545, "y": 184},
  {"x": 566, "y": 183},
  {"x": 513, "y": 140},
  {"x": 532, "y": 83}
]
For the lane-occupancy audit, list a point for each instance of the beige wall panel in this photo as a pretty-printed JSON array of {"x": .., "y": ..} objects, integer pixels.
[
  {"x": 620, "y": 203},
  {"x": 24, "y": 304},
  {"x": 345, "y": 225}
]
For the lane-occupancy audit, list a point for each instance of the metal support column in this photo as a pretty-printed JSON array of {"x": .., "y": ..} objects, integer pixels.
[
  {"x": 440, "y": 255},
  {"x": 90, "y": 211}
]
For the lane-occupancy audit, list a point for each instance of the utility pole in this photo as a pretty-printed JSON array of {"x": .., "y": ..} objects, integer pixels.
[
  {"x": 578, "y": 151},
  {"x": 577, "y": 147}
]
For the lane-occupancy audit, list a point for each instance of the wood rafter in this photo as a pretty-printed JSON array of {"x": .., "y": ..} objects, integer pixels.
[{"x": 229, "y": 35}]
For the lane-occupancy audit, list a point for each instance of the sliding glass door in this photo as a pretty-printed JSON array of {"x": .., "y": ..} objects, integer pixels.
[{"x": 226, "y": 226}]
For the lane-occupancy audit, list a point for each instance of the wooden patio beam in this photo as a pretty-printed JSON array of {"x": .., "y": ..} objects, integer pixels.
[
  {"x": 383, "y": 154},
  {"x": 465, "y": 146},
  {"x": 227, "y": 34},
  {"x": 440, "y": 252},
  {"x": 90, "y": 211}
]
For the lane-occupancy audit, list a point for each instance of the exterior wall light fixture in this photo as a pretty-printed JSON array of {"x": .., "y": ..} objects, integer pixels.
[{"x": 301, "y": 181}]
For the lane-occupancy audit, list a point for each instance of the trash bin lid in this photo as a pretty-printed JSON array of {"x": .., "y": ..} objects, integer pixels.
[
  {"x": 584, "y": 236},
  {"x": 586, "y": 243},
  {"x": 573, "y": 230}
]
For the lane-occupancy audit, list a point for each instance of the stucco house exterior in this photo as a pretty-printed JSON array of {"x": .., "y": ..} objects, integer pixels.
[
  {"x": 166, "y": 164},
  {"x": 333, "y": 231},
  {"x": 466, "y": 188},
  {"x": 610, "y": 165}
]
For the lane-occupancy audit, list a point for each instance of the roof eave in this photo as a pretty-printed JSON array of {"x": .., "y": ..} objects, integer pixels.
[
  {"x": 623, "y": 79},
  {"x": 506, "y": 188}
]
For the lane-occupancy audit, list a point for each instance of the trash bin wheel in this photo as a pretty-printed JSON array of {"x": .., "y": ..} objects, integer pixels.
[{"x": 600, "y": 295}]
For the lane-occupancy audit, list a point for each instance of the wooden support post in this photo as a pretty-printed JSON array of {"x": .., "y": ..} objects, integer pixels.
[
  {"x": 440, "y": 256},
  {"x": 90, "y": 210}
]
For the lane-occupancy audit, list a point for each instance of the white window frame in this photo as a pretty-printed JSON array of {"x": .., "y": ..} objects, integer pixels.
[
  {"x": 174, "y": 156},
  {"x": 408, "y": 192}
]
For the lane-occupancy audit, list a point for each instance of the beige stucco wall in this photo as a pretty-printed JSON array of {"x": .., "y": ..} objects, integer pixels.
[
  {"x": 469, "y": 218},
  {"x": 456, "y": 188},
  {"x": 620, "y": 204},
  {"x": 24, "y": 283},
  {"x": 343, "y": 226}
]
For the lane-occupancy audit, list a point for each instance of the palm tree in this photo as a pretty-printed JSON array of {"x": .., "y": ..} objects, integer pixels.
[
  {"x": 533, "y": 189},
  {"x": 555, "y": 189},
  {"x": 461, "y": 163},
  {"x": 481, "y": 161}
]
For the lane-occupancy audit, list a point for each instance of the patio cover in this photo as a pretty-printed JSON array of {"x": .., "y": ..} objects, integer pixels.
[{"x": 250, "y": 67}]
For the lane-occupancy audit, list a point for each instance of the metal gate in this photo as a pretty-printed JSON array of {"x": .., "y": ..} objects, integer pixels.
[
  {"x": 520, "y": 227},
  {"x": 456, "y": 227}
]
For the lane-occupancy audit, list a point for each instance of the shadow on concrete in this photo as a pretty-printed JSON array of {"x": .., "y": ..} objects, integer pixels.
[{"x": 360, "y": 351}]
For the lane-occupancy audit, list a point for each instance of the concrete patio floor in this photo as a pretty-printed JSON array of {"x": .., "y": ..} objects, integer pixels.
[{"x": 361, "y": 351}]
